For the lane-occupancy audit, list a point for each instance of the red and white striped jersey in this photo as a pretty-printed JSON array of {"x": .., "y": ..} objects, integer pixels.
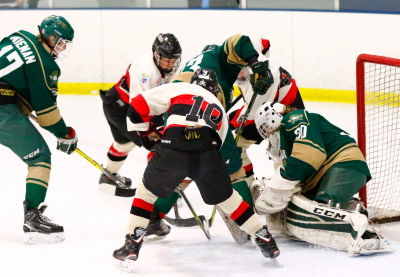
[{"x": 186, "y": 105}]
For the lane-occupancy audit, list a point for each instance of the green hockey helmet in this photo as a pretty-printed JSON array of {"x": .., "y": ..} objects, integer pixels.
[{"x": 56, "y": 32}]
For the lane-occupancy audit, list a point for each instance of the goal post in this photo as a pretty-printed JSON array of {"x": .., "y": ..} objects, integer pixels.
[{"x": 378, "y": 121}]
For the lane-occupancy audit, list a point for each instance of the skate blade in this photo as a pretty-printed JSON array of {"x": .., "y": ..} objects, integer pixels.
[
  {"x": 154, "y": 238},
  {"x": 125, "y": 265},
  {"x": 37, "y": 238},
  {"x": 277, "y": 261}
]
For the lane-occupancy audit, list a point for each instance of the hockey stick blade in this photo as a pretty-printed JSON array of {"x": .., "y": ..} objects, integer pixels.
[
  {"x": 117, "y": 191},
  {"x": 191, "y": 221},
  {"x": 120, "y": 190},
  {"x": 184, "y": 222}
]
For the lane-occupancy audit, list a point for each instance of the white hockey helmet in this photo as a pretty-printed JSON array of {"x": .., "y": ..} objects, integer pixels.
[{"x": 268, "y": 118}]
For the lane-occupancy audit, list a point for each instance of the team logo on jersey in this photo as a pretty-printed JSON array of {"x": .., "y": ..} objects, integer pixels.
[
  {"x": 145, "y": 78},
  {"x": 54, "y": 77},
  {"x": 295, "y": 117}
]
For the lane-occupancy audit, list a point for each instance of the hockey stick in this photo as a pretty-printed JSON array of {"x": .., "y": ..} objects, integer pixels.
[
  {"x": 178, "y": 221},
  {"x": 244, "y": 117},
  {"x": 237, "y": 99},
  {"x": 211, "y": 220},
  {"x": 202, "y": 223},
  {"x": 121, "y": 190}
]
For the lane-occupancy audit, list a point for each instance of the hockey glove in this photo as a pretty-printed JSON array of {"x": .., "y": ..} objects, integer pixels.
[
  {"x": 151, "y": 139},
  {"x": 261, "y": 79},
  {"x": 69, "y": 143},
  {"x": 276, "y": 193}
]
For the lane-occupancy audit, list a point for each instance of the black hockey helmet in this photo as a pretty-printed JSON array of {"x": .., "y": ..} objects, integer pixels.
[
  {"x": 206, "y": 78},
  {"x": 167, "y": 46}
]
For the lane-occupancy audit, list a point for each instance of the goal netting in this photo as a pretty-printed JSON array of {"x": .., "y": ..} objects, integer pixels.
[{"x": 378, "y": 116}]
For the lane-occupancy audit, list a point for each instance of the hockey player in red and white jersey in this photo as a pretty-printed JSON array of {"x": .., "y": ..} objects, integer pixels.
[
  {"x": 150, "y": 71},
  {"x": 194, "y": 132},
  {"x": 283, "y": 90}
]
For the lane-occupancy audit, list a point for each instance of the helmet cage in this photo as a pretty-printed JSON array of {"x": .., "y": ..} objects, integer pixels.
[
  {"x": 157, "y": 60},
  {"x": 268, "y": 118},
  {"x": 62, "y": 48}
]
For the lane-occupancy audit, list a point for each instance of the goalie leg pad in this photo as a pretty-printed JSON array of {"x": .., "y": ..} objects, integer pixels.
[{"x": 335, "y": 228}]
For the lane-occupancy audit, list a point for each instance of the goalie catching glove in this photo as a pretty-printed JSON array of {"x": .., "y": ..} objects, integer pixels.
[
  {"x": 275, "y": 193},
  {"x": 261, "y": 79},
  {"x": 69, "y": 143}
]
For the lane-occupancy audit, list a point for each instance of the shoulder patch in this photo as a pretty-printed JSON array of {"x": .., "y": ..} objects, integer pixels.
[
  {"x": 145, "y": 78},
  {"x": 295, "y": 117}
]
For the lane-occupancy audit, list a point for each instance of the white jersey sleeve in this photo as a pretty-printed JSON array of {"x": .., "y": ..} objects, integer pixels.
[{"x": 143, "y": 75}]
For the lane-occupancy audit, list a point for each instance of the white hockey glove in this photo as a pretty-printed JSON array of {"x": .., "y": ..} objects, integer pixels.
[
  {"x": 69, "y": 143},
  {"x": 276, "y": 193}
]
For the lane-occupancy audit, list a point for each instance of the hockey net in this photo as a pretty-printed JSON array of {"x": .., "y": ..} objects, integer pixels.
[{"x": 378, "y": 116}]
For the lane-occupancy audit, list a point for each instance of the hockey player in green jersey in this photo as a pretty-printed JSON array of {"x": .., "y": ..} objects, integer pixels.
[
  {"x": 28, "y": 82},
  {"x": 323, "y": 169},
  {"x": 226, "y": 61},
  {"x": 316, "y": 153}
]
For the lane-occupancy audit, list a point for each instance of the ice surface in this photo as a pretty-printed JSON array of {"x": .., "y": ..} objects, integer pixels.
[{"x": 95, "y": 222}]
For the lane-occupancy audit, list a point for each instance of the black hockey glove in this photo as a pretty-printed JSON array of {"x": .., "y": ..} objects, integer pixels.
[
  {"x": 69, "y": 143},
  {"x": 151, "y": 139},
  {"x": 261, "y": 79}
]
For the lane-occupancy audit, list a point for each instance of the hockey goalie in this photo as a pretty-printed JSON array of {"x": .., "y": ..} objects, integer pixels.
[{"x": 319, "y": 168}]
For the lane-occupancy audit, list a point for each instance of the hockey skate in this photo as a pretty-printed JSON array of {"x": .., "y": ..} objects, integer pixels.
[
  {"x": 267, "y": 244},
  {"x": 39, "y": 228},
  {"x": 129, "y": 252},
  {"x": 157, "y": 230}
]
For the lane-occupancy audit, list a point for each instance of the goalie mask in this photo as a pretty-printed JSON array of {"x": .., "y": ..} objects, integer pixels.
[
  {"x": 57, "y": 33},
  {"x": 167, "y": 53},
  {"x": 207, "y": 79},
  {"x": 268, "y": 118}
]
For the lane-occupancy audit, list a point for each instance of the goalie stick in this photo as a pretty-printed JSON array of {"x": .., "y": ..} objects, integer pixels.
[{"x": 121, "y": 190}]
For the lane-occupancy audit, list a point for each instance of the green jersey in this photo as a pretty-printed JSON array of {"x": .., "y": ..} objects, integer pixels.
[
  {"x": 226, "y": 61},
  {"x": 26, "y": 65},
  {"x": 311, "y": 145}
]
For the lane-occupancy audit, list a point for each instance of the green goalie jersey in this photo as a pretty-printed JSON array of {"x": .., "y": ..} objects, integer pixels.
[
  {"x": 27, "y": 66},
  {"x": 311, "y": 145},
  {"x": 226, "y": 61}
]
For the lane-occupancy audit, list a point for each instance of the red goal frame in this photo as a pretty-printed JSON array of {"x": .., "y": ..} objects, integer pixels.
[{"x": 360, "y": 89}]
